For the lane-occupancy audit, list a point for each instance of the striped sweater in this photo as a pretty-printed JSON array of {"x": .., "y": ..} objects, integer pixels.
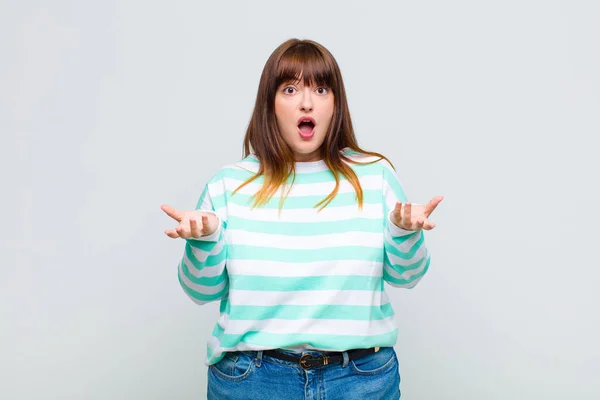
[{"x": 302, "y": 278}]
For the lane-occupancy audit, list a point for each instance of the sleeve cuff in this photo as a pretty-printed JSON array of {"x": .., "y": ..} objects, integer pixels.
[
  {"x": 213, "y": 237},
  {"x": 395, "y": 230}
]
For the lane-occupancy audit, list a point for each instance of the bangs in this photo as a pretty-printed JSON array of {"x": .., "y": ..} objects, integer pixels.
[{"x": 304, "y": 61}]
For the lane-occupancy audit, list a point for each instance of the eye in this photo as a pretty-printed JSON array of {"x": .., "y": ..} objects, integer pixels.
[
  {"x": 285, "y": 90},
  {"x": 322, "y": 90}
]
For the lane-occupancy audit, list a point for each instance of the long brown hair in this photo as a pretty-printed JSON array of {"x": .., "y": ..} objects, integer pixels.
[{"x": 291, "y": 60}]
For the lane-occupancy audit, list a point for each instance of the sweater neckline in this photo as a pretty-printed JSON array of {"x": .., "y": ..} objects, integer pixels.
[{"x": 307, "y": 166}]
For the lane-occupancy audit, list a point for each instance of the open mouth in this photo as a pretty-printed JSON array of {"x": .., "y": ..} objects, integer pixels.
[{"x": 306, "y": 129}]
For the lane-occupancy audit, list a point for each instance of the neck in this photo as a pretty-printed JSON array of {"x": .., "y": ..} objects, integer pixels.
[{"x": 315, "y": 156}]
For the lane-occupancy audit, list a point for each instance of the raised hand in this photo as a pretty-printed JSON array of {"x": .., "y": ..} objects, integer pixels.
[
  {"x": 414, "y": 217},
  {"x": 192, "y": 224}
]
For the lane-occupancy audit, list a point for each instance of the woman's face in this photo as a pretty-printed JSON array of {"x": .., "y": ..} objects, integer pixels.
[{"x": 293, "y": 104}]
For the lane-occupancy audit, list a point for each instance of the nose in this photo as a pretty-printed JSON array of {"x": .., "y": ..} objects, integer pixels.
[{"x": 306, "y": 102}]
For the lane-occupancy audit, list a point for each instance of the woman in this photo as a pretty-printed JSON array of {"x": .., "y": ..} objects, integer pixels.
[{"x": 296, "y": 241}]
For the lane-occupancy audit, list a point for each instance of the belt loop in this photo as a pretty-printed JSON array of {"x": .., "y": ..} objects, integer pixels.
[
  {"x": 258, "y": 358},
  {"x": 346, "y": 359}
]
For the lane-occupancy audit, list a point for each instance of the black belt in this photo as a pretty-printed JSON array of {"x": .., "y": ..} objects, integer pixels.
[{"x": 307, "y": 361}]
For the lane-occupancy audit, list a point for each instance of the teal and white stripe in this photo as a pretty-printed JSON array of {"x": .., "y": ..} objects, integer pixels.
[{"x": 300, "y": 278}]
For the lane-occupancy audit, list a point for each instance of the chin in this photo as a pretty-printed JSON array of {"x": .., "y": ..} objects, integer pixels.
[{"x": 306, "y": 148}]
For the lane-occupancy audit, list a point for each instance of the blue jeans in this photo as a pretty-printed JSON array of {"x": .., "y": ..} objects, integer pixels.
[{"x": 251, "y": 375}]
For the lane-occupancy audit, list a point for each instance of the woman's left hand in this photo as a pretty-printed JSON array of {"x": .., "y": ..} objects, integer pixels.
[{"x": 414, "y": 217}]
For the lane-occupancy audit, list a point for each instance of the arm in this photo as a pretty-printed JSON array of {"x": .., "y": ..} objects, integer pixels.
[
  {"x": 202, "y": 272},
  {"x": 406, "y": 257}
]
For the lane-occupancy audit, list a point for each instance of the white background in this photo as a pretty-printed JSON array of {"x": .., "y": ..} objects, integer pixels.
[{"x": 109, "y": 109}]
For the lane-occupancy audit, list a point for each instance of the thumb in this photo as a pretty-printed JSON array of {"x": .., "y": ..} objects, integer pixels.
[{"x": 171, "y": 212}]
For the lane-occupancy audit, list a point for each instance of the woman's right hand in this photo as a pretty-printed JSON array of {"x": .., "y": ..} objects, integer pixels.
[{"x": 192, "y": 224}]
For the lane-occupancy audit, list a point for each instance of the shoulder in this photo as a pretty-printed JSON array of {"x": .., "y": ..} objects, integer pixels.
[
  {"x": 241, "y": 169},
  {"x": 371, "y": 162}
]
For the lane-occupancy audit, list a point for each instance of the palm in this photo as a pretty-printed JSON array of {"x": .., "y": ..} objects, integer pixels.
[
  {"x": 192, "y": 224},
  {"x": 415, "y": 217}
]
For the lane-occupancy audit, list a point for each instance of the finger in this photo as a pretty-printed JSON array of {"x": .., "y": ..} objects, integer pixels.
[
  {"x": 428, "y": 225},
  {"x": 205, "y": 226},
  {"x": 195, "y": 230},
  {"x": 406, "y": 218},
  {"x": 171, "y": 233},
  {"x": 397, "y": 213},
  {"x": 419, "y": 224},
  {"x": 184, "y": 234},
  {"x": 171, "y": 212},
  {"x": 432, "y": 204}
]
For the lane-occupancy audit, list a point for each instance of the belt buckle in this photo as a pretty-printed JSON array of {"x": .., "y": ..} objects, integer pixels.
[{"x": 304, "y": 361}]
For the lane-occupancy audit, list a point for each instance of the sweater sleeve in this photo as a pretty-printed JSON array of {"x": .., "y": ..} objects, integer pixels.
[
  {"x": 202, "y": 269},
  {"x": 406, "y": 257}
]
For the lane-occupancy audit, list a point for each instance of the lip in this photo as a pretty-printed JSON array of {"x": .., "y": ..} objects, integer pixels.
[
  {"x": 305, "y": 136},
  {"x": 311, "y": 119},
  {"x": 312, "y": 133}
]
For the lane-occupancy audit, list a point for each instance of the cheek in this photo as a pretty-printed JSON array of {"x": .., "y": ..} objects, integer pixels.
[
  {"x": 282, "y": 113},
  {"x": 277, "y": 106},
  {"x": 328, "y": 113},
  {"x": 329, "y": 107}
]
